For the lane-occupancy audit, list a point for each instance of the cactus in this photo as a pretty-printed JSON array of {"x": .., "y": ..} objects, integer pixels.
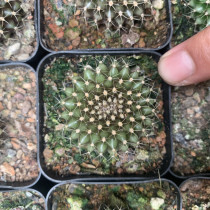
[
  {"x": 200, "y": 12},
  {"x": 109, "y": 107},
  {"x": 11, "y": 18},
  {"x": 115, "y": 15}
]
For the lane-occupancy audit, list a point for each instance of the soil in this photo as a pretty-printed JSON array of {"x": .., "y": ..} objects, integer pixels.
[
  {"x": 23, "y": 43},
  {"x": 183, "y": 26},
  {"x": 63, "y": 30},
  {"x": 191, "y": 129},
  {"x": 150, "y": 196},
  {"x": 20, "y": 200},
  {"x": 196, "y": 194},
  {"x": 18, "y": 142},
  {"x": 64, "y": 157}
]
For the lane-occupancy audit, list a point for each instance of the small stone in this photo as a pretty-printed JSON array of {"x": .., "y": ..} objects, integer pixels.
[
  {"x": 7, "y": 168},
  {"x": 71, "y": 34},
  {"x": 74, "y": 169},
  {"x": 73, "y": 23},
  {"x": 158, "y": 4},
  {"x": 190, "y": 111},
  {"x": 156, "y": 203},
  {"x": 130, "y": 38},
  {"x": 189, "y": 91},
  {"x": 47, "y": 153},
  {"x": 27, "y": 86},
  {"x": 85, "y": 165},
  {"x": 197, "y": 97},
  {"x": 31, "y": 146},
  {"x": 142, "y": 43},
  {"x": 12, "y": 50},
  {"x": 11, "y": 153},
  {"x": 3, "y": 76},
  {"x": 193, "y": 153},
  {"x": 28, "y": 194},
  {"x": 60, "y": 151},
  {"x": 19, "y": 154},
  {"x": 26, "y": 107},
  {"x": 19, "y": 96},
  {"x": 76, "y": 42}
]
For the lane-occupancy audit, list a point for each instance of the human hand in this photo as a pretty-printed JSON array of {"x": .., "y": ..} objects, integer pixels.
[{"x": 188, "y": 62}]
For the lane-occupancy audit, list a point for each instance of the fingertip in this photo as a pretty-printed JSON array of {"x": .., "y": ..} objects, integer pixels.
[{"x": 176, "y": 67}]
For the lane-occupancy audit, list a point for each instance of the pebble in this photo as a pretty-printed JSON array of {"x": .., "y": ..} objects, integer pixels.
[
  {"x": 7, "y": 168},
  {"x": 19, "y": 154},
  {"x": 189, "y": 91},
  {"x": 158, "y": 4},
  {"x": 60, "y": 151},
  {"x": 47, "y": 154},
  {"x": 11, "y": 153},
  {"x": 12, "y": 50},
  {"x": 26, "y": 107}
]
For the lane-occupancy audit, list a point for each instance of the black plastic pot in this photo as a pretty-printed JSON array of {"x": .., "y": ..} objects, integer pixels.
[
  {"x": 32, "y": 57},
  {"x": 49, "y": 198},
  {"x": 51, "y": 175},
  {"x": 26, "y": 190},
  {"x": 173, "y": 173},
  {"x": 199, "y": 178},
  {"x": 16, "y": 184},
  {"x": 169, "y": 34}
]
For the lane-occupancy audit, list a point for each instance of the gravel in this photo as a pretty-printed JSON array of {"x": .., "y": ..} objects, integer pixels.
[{"x": 18, "y": 114}]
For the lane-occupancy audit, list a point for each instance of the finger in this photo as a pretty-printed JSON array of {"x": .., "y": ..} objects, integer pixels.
[{"x": 189, "y": 62}]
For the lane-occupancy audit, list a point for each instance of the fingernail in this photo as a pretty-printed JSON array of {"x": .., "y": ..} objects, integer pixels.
[{"x": 176, "y": 67}]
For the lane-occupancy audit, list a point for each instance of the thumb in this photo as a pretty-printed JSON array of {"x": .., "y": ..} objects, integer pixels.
[{"x": 188, "y": 62}]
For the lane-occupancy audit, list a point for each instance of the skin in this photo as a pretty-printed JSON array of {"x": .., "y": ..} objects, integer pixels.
[{"x": 189, "y": 62}]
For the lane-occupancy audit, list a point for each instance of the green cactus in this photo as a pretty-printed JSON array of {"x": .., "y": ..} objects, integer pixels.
[
  {"x": 115, "y": 15},
  {"x": 108, "y": 107},
  {"x": 200, "y": 12},
  {"x": 11, "y": 18}
]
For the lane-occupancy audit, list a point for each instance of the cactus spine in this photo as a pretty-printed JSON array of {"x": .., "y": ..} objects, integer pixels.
[
  {"x": 109, "y": 107},
  {"x": 11, "y": 18}
]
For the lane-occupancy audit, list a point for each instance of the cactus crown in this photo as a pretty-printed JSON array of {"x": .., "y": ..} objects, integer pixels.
[
  {"x": 109, "y": 107},
  {"x": 200, "y": 12},
  {"x": 116, "y": 15},
  {"x": 11, "y": 18}
]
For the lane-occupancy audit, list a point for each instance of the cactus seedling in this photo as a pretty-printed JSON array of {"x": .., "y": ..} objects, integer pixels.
[
  {"x": 11, "y": 18},
  {"x": 200, "y": 12},
  {"x": 109, "y": 107},
  {"x": 115, "y": 15}
]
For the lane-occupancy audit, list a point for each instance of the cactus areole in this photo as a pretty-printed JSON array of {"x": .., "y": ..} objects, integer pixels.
[
  {"x": 109, "y": 108},
  {"x": 11, "y": 18}
]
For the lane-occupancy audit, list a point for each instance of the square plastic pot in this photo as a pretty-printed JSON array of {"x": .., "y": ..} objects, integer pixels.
[
  {"x": 50, "y": 174},
  {"x": 19, "y": 184},
  {"x": 49, "y": 198},
  {"x": 27, "y": 190},
  {"x": 47, "y": 48},
  {"x": 32, "y": 57}
]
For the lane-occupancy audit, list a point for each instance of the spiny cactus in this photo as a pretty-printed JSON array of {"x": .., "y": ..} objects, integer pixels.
[
  {"x": 108, "y": 108},
  {"x": 116, "y": 15},
  {"x": 200, "y": 12},
  {"x": 11, "y": 18}
]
